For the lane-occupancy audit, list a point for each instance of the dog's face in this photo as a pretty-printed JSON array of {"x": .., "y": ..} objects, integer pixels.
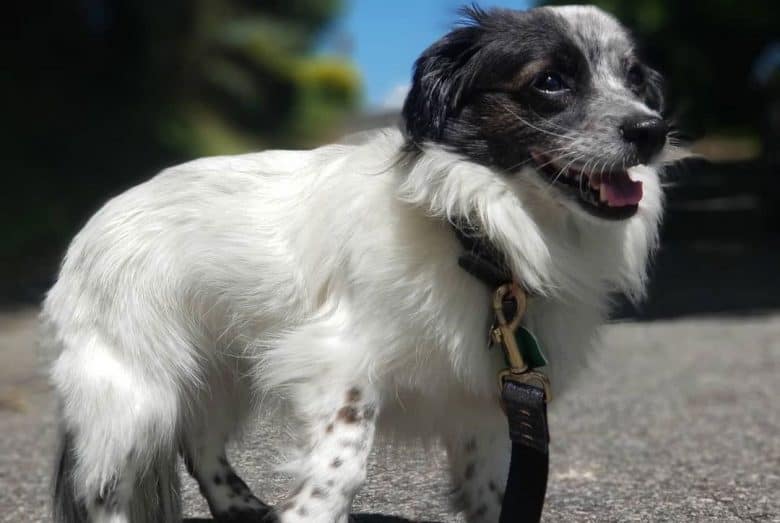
[{"x": 557, "y": 89}]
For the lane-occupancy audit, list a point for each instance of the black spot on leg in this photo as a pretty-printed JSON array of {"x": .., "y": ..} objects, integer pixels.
[
  {"x": 330, "y": 483},
  {"x": 353, "y": 395},
  {"x": 336, "y": 463},
  {"x": 469, "y": 473},
  {"x": 480, "y": 511},
  {"x": 217, "y": 479},
  {"x": 236, "y": 483},
  {"x": 369, "y": 412},
  {"x": 329, "y": 428},
  {"x": 348, "y": 414},
  {"x": 499, "y": 494},
  {"x": 302, "y": 511},
  {"x": 319, "y": 493}
]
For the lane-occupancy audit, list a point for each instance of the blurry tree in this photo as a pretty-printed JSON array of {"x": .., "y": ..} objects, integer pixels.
[
  {"x": 706, "y": 49},
  {"x": 98, "y": 94}
]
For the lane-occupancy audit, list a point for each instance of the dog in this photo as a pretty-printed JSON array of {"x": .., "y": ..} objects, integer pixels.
[{"x": 325, "y": 284}]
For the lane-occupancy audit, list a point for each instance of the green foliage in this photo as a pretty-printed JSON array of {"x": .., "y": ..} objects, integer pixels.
[
  {"x": 252, "y": 73},
  {"x": 99, "y": 94},
  {"x": 706, "y": 49}
]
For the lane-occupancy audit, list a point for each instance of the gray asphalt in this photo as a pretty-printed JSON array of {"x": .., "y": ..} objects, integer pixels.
[{"x": 675, "y": 421}]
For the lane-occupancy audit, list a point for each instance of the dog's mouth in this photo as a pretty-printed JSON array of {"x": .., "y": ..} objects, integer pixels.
[{"x": 609, "y": 195}]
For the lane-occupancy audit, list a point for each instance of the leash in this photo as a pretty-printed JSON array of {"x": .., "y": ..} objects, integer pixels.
[{"x": 524, "y": 390}]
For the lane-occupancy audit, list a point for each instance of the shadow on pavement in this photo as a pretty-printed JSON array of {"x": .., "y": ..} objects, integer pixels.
[
  {"x": 355, "y": 518},
  {"x": 720, "y": 243}
]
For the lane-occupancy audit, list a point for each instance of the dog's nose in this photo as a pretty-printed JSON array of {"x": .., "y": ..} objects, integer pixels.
[{"x": 646, "y": 133}]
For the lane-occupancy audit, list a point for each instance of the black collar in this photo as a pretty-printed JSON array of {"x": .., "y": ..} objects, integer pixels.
[{"x": 480, "y": 257}]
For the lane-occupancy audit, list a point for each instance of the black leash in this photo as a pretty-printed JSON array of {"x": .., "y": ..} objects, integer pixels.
[
  {"x": 526, "y": 484},
  {"x": 524, "y": 391}
]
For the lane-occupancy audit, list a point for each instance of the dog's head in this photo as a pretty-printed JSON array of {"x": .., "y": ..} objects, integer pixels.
[{"x": 559, "y": 90}]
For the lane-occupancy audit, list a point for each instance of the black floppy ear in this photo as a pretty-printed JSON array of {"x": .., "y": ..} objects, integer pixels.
[{"x": 440, "y": 79}]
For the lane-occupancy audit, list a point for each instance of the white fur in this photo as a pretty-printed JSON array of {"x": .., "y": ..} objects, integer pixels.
[{"x": 297, "y": 275}]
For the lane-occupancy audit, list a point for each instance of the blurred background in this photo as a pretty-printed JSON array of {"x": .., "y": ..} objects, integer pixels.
[{"x": 98, "y": 95}]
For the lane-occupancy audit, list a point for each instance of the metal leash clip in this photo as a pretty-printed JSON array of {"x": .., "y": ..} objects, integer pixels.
[{"x": 504, "y": 334}]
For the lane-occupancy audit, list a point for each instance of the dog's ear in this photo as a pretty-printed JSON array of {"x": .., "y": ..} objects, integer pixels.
[{"x": 441, "y": 77}]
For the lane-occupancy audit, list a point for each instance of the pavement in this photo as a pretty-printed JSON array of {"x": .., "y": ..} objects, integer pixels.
[{"x": 674, "y": 421}]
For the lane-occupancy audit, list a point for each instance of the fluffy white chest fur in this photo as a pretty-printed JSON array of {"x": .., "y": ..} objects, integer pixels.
[{"x": 328, "y": 278}]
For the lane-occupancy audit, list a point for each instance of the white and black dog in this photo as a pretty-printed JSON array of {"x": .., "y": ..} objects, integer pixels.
[{"x": 326, "y": 283}]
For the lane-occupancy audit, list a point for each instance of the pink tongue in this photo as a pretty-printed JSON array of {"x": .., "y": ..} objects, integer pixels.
[{"x": 618, "y": 190}]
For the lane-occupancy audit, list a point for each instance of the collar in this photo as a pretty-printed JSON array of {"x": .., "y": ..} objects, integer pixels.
[{"x": 480, "y": 257}]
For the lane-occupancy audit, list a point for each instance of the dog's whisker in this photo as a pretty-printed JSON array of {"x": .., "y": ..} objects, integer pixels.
[
  {"x": 532, "y": 126},
  {"x": 585, "y": 170},
  {"x": 581, "y": 179},
  {"x": 554, "y": 124},
  {"x": 531, "y": 160},
  {"x": 564, "y": 169},
  {"x": 555, "y": 161},
  {"x": 578, "y": 157}
]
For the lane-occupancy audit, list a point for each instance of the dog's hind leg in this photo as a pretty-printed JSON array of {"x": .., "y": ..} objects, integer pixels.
[
  {"x": 229, "y": 498},
  {"x": 222, "y": 406},
  {"x": 117, "y": 448}
]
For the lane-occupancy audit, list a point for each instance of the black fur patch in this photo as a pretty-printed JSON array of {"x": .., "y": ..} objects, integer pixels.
[
  {"x": 67, "y": 508},
  {"x": 456, "y": 78},
  {"x": 236, "y": 484}
]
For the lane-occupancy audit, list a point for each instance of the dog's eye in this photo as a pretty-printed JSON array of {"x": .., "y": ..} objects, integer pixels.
[
  {"x": 549, "y": 82},
  {"x": 635, "y": 75}
]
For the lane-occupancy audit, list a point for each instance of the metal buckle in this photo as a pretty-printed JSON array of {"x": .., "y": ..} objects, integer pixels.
[
  {"x": 529, "y": 377},
  {"x": 504, "y": 335}
]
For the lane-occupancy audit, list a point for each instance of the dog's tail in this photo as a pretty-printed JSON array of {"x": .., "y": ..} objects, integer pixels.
[
  {"x": 155, "y": 498},
  {"x": 67, "y": 507}
]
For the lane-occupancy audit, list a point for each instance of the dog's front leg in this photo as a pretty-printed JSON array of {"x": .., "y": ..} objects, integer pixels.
[
  {"x": 479, "y": 465},
  {"x": 340, "y": 420}
]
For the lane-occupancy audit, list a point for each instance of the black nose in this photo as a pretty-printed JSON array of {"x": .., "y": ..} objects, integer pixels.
[{"x": 646, "y": 133}]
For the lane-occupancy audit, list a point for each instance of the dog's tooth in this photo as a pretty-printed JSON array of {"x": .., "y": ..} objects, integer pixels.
[{"x": 603, "y": 194}]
